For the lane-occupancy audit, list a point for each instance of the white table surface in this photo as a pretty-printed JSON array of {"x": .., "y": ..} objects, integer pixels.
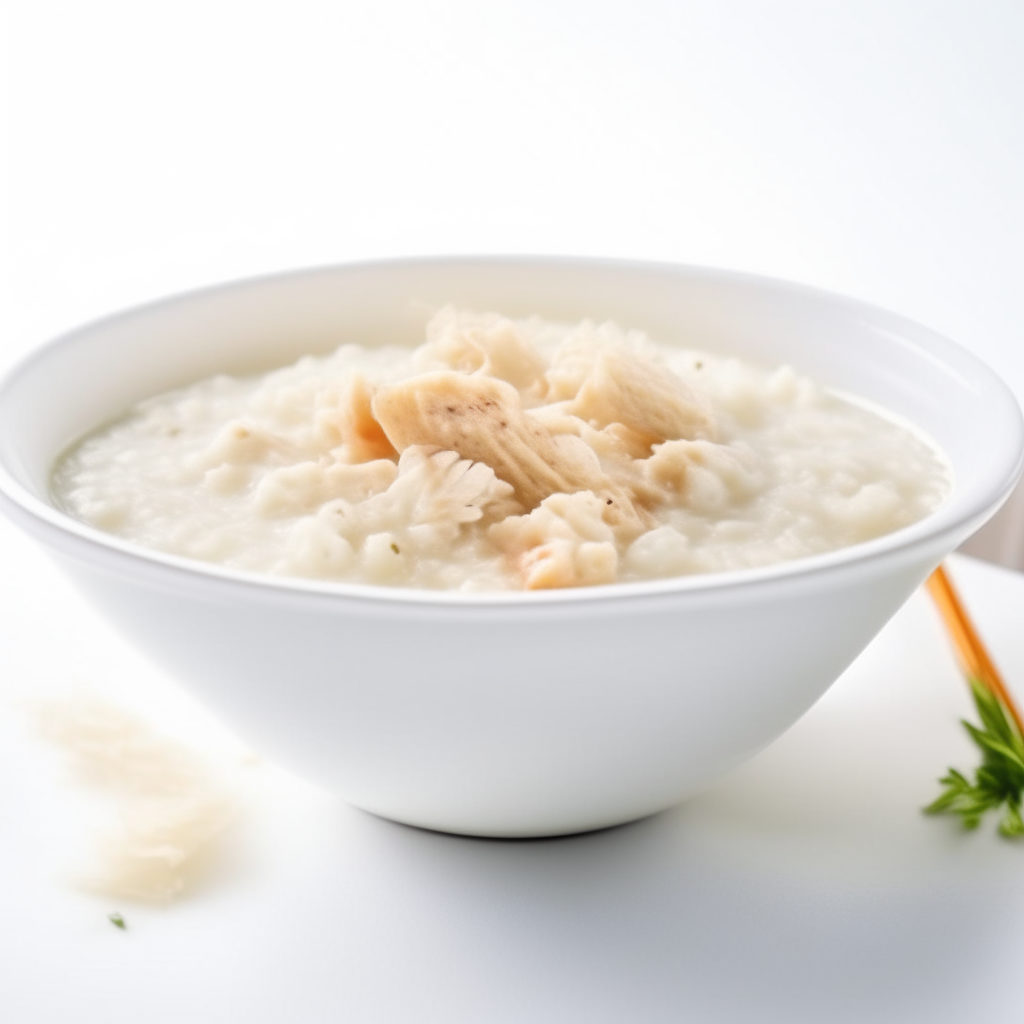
[
  {"x": 875, "y": 148},
  {"x": 806, "y": 887}
]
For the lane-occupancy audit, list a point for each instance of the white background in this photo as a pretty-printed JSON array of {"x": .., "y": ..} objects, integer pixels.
[{"x": 873, "y": 148}]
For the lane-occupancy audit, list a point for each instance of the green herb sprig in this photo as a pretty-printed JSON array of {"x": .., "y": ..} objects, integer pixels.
[{"x": 999, "y": 782}]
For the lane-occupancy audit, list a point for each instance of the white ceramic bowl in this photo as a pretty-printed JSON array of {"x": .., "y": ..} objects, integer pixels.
[{"x": 506, "y": 714}]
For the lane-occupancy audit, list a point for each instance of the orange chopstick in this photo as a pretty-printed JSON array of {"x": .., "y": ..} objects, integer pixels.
[{"x": 971, "y": 653}]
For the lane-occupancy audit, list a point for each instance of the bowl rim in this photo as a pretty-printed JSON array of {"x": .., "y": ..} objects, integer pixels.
[{"x": 956, "y": 517}]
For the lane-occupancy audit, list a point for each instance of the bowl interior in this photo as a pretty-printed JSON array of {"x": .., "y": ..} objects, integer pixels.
[{"x": 96, "y": 373}]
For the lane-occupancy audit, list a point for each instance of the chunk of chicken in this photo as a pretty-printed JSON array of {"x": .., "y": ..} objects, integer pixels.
[
  {"x": 483, "y": 343},
  {"x": 649, "y": 400},
  {"x": 361, "y": 433},
  {"x": 453, "y": 490},
  {"x": 564, "y": 542},
  {"x": 482, "y": 419}
]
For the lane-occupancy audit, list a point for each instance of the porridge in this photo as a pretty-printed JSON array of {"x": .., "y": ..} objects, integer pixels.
[{"x": 503, "y": 455}]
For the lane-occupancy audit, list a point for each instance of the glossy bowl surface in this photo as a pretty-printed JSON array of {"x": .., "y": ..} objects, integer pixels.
[{"x": 507, "y": 714}]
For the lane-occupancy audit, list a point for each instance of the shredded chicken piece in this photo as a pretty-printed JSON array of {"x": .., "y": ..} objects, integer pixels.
[
  {"x": 453, "y": 490},
  {"x": 560, "y": 563},
  {"x": 617, "y": 442},
  {"x": 362, "y": 434},
  {"x": 564, "y": 542},
  {"x": 482, "y": 419},
  {"x": 572, "y": 360},
  {"x": 555, "y": 418},
  {"x": 432, "y": 495},
  {"x": 483, "y": 343},
  {"x": 648, "y": 401}
]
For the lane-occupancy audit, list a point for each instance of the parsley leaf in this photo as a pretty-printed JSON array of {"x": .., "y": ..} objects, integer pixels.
[{"x": 999, "y": 781}]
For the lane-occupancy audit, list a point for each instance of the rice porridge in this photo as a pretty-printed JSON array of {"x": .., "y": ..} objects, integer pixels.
[{"x": 502, "y": 455}]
